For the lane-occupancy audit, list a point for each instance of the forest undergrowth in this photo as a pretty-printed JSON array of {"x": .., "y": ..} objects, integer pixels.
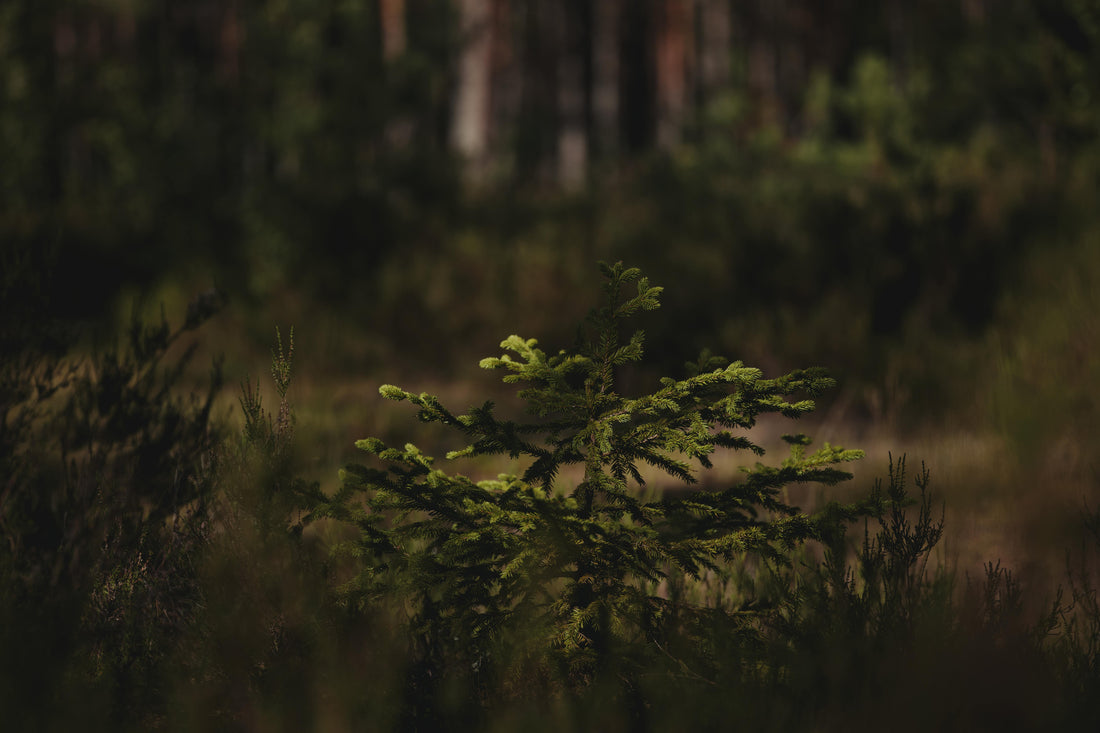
[{"x": 601, "y": 567}]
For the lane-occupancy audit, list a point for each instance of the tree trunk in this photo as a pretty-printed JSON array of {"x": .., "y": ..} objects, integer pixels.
[
  {"x": 674, "y": 41},
  {"x": 394, "y": 38},
  {"x": 605, "y": 76},
  {"x": 506, "y": 76},
  {"x": 714, "y": 48},
  {"x": 470, "y": 123},
  {"x": 572, "y": 49},
  {"x": 229, "y": 41},
  {"x": 763, "y": 62},
  {"x": 636, "y": 74}
]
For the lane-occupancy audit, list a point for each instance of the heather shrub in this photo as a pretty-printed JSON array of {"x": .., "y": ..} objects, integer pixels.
[{"x": 109, "y": 472}]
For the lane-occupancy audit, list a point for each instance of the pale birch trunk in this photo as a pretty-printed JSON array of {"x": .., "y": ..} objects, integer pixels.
[
  {"x": 470, "y": 122},
  {"x": 714, "y": 47},
  {"x": 572, "y": 145}
]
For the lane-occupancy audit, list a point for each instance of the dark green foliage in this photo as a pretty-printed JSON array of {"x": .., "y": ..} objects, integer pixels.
[
  {"x": 888, "y": 639},
  {"x": 842, "y": 616},
  {"x": 911, "y": 159},
  {"x": 1073, "y": 630},
  {"x": 142, "y": 139},
  {"x": 108, "y": 474},
  {"x": 253, "y": 645},
  {"x": 571, "y": 563},
  {"x": 265, "y": 459}
]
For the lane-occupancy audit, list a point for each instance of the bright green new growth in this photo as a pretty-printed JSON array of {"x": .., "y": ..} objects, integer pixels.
[{"x": 575, "y": 568}]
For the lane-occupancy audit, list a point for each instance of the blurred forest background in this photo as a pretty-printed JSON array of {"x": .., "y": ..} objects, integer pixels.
[{"x": 904, "y": 192}]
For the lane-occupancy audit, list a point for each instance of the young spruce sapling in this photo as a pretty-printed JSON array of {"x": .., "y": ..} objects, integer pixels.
[{"x": 573, "y": 567}]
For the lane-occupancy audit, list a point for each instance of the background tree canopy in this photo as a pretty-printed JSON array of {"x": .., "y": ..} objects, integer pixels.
[{"x": 905, "y": 162}]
